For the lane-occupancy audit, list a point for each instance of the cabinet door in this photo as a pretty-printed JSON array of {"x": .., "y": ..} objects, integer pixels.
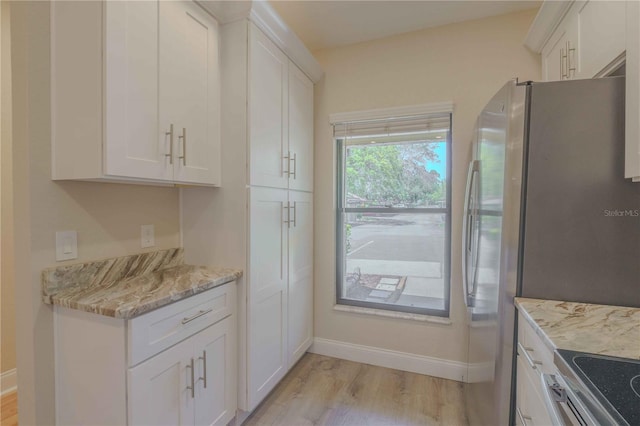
[
  {"x": 300, "y": 130},
  {"x": 300, "y": 291},
  {"x": 157, "y": 388},
  {"x": 215, "y": 374},
  {"x": 267, "y": 292},
  {"x": 554, "y": 56},
  {"x": 600, "y": 33},
  {"x": 190, "y": 90},
  {"x": 133, "y": 145},
  {"x": 268, "y": 112}
]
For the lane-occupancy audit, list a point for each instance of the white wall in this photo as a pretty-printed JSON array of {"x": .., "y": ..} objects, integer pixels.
[
  {"x": 465, "y": 63},
  {"x": 106, "y": 216}
]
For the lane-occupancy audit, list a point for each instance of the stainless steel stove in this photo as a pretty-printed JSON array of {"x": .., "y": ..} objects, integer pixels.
[{"x": 593, "y": 390}]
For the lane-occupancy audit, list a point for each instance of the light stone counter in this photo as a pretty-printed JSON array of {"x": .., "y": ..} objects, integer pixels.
[
  {"x": 129, "y": 286},
  {"x": 583, "y": 327}
]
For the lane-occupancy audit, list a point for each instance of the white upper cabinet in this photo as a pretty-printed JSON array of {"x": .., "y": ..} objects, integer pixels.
[
  {"x": 268, "y": 112},
  {"x": 190, "y": 90},
  {"x": 555, "y": 62},
  {"x": 300, "y": 130},
  {"x": 581, "y": 39},
  {"x": 133, "y": 146},
  {"x": 280, "y": 118},
  {"x": 135, "y": 92}
]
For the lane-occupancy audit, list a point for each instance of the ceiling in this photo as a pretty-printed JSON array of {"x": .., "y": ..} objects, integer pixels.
[{"x": 328, "y": 23}]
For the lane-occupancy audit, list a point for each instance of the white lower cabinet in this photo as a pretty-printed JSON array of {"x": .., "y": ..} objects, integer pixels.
[
  {"x": 534, "y": 359},
  {"x": 172, "y": 366},
  {"x": 188, "y": 383}
]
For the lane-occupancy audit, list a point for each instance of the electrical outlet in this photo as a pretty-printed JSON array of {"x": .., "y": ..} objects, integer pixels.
[
  {"x": 66, "y": 245},
  {"x": 147, "y": 236}
]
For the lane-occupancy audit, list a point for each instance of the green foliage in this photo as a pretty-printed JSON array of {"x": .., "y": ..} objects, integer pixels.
[{"x": 393, "y": 174}]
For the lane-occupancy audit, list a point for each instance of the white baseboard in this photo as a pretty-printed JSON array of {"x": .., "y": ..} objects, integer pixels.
[
  {"x": 8, "y": 381},
  {"x": 436, "y": 367}
]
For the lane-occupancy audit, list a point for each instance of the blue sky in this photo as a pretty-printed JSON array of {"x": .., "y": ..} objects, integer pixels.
[{"x": 441, "y": 165}]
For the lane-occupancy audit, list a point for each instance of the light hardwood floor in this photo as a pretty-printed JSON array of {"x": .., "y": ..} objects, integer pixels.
[
  {"x": 328, "y": 391},
  {"x": 9, "y": 409}
]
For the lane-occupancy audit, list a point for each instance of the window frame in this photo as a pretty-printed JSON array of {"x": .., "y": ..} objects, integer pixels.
[{"x": 341, "y": 211}]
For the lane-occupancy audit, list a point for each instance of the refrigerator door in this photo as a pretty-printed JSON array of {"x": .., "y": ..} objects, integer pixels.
[
  {"x": 491, "y": 317},
  {"x": 581, "y": 237}
]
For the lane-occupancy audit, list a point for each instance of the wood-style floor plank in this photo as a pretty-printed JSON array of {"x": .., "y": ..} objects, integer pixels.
[
  {"x": 9, "y": 409},
  {"x": 328, "y": 391}
]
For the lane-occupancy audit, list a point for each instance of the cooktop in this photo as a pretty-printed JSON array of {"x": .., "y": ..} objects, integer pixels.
[{"x": 612, "y": 381}]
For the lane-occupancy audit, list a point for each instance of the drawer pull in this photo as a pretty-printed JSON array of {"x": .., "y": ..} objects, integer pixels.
[
  {"x": 532, "y": 363},
  {"x": 198, "y": 315},
  {"x": 523, "y": 419}
]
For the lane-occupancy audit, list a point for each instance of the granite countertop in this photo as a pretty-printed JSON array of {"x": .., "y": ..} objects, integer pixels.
[
  {"x": 583, "y": 327},
  {"x": 129, "y": 286}
]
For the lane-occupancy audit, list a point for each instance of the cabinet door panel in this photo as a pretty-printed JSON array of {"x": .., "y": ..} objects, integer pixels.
[
  {"x": 157, "y": 388},
  {"x": 300, "y": 290},
  {"x": 267, "y": 292},
  {"x": 197, "y": 119},
  {"x": 554, "y": 66},
  {"x": 600, "y": 34},
  {"x": 268, "y": 112},
  {"x": 133, "y": 145},
  {"x": 215, "y": 403},
  {"x": 300, "y": 129}
]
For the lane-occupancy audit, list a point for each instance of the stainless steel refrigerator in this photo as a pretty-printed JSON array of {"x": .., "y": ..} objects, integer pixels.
[{"x": 549, "y": 215}]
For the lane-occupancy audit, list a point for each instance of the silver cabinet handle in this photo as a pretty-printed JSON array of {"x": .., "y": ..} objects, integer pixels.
[
  {"x": 295, "y": 164},
  {"x": 170, "y": 134},
  {"x": 563, "y": 64},
  {"x": 525, "y": 351},
  {"x": 184, "y": 146},
  {"x": 294, "y": 214},
  {"x": 569, "y": 61},
  {"x": 523, "y": 419},
  {"x": 288, "y": 209},
  {"x": 204, "y": 365},
  {"x": 288, "y": 158},
  {"x": 192, "y": 387},
  {"x": 198, "y": 315}
]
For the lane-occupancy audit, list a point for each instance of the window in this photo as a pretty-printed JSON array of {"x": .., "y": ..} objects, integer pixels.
[{"x": 394, "y": 213}]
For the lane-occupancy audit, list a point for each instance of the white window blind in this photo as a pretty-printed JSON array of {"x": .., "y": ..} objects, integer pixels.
[{"x": 424, "y": 127}]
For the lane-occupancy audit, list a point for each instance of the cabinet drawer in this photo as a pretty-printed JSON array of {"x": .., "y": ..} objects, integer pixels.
[
  {"x": 155, "y": 331},
  {"x": 530, "y": 406},
  {"x": 533, "y": 348}
]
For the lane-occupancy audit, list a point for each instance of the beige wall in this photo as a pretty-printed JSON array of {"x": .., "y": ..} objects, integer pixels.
[
  {"x": 7, "y": 310},
  {"x": 106, "y": 216},
  {"x": 465, "y": 63}
]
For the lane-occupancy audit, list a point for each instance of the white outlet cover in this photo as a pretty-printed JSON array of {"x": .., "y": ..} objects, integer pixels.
[
  {"x": 66, "y": 245},
  {"x": 147, "y": 236}
]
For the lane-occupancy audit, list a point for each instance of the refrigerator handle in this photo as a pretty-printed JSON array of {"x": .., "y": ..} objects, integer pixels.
[{"x": 467, "y": 225}]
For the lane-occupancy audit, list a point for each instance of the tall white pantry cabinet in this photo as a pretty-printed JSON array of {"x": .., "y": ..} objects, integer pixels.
[{"x": 261, "y": 218}]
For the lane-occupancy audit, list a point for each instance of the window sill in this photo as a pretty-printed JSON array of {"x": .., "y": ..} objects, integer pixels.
[{"x": 393, "y": 314}]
